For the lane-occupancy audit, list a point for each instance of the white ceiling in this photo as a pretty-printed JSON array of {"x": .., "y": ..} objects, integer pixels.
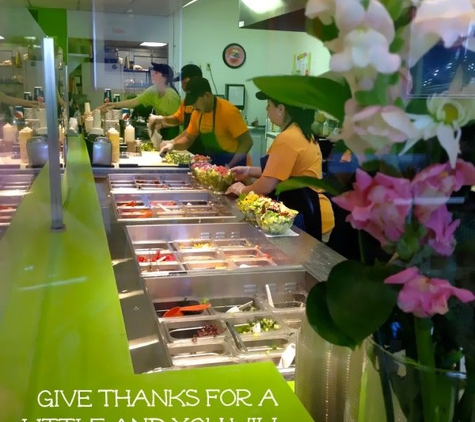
[{"x": 138, "y": 7}]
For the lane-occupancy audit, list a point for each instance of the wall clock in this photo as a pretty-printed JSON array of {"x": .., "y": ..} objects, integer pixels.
[{"x": 234, "y": 55}]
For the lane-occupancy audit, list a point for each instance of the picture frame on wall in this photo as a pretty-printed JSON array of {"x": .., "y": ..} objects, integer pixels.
[{"x": 236, "y": 94}]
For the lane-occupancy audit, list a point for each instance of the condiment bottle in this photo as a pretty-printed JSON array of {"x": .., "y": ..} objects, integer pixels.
[
  {"x": 23, "y": 136},
  {"x": 113, "y": 135},
  {"x": 88, "y": 121},
  {"x": 9, "y": 135},
  {"x": 129, "y": 136}
]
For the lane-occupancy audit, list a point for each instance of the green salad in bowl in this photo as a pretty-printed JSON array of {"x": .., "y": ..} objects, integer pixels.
[{"x": 276, "y": 218}]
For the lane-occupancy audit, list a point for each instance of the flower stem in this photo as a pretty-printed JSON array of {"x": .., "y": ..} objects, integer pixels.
[{"x": 425, "y": 354}]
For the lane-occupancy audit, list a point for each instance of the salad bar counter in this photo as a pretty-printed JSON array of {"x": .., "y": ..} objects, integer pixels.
[{"x": 209, "y": 289}]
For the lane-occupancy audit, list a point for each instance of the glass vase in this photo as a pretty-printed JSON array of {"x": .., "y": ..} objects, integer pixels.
[
  {"x": 328, "y": 378},
  {"x": 415, "y": 393}
]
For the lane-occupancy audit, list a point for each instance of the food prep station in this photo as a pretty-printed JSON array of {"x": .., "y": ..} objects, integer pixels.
[{"x": 161, "y": 263}]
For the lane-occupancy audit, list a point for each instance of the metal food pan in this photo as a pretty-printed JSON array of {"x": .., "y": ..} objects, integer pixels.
[
  {"x": 194, "y": 245},
  {"x": 242, "y": 322},
  {"x": 160, "y": 269},
  {"x": 188, "y": 328},
  {"x": 155, "y": 255},
  {"x": 202, "y": 212},
  {"x": 168, "y": 211},
  {"x": 266, "y": 345},
  {"x": 194, "y": 202},
  {"x": 200, "y": 353},
  {"x": 151, "y": 186},
  {"x": 146, "y": 213},
  {"x": 234, "y": 243},
  {"x": 130, "y": 204},
  {"x": 162, "y": 307},
  {"x": 253, "y": 262},
  {"x": 199, "y": 256},
  {"x": 244, "y": 253},
  {"x": 223, "y": 304},
  {"x": 209, "y": 265},
  {"x": 158, "y": 245},
  {"x": 213, "y": 234},
  {"x": 289, "y": 300},
  {"x": 163, "y": 203}
]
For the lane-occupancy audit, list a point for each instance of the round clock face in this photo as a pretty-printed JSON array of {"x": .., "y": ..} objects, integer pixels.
[{"x": 234, "y": 55}]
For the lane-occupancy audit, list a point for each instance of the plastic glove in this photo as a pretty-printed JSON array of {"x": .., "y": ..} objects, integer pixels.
[
  {"x": 155, "y": 122},
  {"x": 235, "y": 188},
  {"x": 240, "y": 173},
  {"x": 165, "y": 147}
]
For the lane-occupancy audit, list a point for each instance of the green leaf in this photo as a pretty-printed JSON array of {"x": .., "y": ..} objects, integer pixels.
[
  {"x": 358, "y": 300},
  {"x": 394, "y": 8},
  {"x": 408, "y": 244},
  {"x": 313, "y": 92},
  {"x": 317, "y": 29},
  {"x": 320, "y": 319},
  {"x": 417, "y": 106}
]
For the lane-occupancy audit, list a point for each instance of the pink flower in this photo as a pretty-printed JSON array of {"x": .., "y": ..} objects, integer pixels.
[
  {"x": 433, "y": 186},
  {"x": 424, "y": 296},
  {"x": 374, "y": 127},
  {"x": 441, "y": 228},
  {"x": 379, "y": 206}
]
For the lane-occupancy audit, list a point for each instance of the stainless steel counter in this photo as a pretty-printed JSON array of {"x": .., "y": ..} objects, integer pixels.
[{"x": 311, "y": 262}]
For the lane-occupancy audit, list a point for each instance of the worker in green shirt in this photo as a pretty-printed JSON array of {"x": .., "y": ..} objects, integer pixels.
[{"x": 162, "y": 96}]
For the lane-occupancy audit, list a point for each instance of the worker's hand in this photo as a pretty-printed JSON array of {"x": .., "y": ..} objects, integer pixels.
[
  {"x": 240, "y": 173},
  {"x": 165, "y": 147},
  {"x": 105, "y": 107},
  {"x": 36, "y": 104},
  {"x": 235, "y": 189},
  {"x": 155, "y": 122}
]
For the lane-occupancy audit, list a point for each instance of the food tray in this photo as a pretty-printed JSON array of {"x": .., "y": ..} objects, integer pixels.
[
  {"x": 162, "y": 307},
  {"x": 152, "y": 182},
  {"x": 200, "y": 353},
  {"x": 242, "y": 324},
  {"x": 187, "y": 329},
  {"x": 170, "y": 206},
  {"x": 236, "y": 246},
  {"x": 221, "y": 305}
]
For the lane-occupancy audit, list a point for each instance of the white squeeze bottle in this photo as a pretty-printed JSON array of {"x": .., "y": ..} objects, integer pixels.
[
  {"x": 113, "y": 135},
  {"x": 129, "y": 138}
]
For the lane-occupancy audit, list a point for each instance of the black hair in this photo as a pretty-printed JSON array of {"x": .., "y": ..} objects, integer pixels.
[
  {"x": 303, "y": 117},
  {"x": 166, "y": 71}
]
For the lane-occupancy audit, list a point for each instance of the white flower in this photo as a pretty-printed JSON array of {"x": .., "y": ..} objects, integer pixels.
[
  {"x": 449, "y": 20},
  {"x": 365, "y": 48},
  {"x": 322, "y": 9},
  {"x": 362, "y": 47},
  {"x": 447, "y": 116},
  {"x": 375, "y": 127}
]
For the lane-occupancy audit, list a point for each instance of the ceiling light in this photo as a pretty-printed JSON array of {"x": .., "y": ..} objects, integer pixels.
[
  {"x": 190, "y": 2},
  {"x": 29, "y": 38},
  {"x": 262, "y": 6},
  {"x": 153, "y": 44}
]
